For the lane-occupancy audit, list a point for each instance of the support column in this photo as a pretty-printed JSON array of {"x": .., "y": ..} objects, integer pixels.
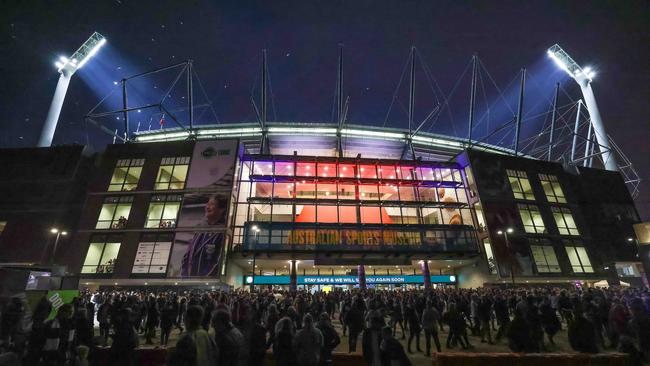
[
  {"x": 293, "y": 277},
  {"x": 361, "y": 271},
  {"x": 52, "y": 119},
  {"x": 426, "y": 274}
]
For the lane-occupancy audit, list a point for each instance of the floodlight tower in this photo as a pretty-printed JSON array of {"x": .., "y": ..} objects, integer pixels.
[
  {"x": 584, "y": 77},
  {"x": 67, "y": 67}
]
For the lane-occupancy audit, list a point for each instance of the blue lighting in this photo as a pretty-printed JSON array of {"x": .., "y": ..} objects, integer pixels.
[{"x": 347, "y": 280}]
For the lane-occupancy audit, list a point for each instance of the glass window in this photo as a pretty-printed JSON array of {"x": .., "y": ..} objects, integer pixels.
[
  {"x": 163, "y": 211},
  {"x": 406, "y": 172},
  {"x": 101, "y": 257},
  {"x": 427, "y": 194},
  {"x": 284, "y": 168},
  {"x": 431, "y": 216},
  {"x": 262, "y": 189},
  {"x": 327, "y": 214},
  {"x": 388, "y": 192},
  {"x": 152, "y": 254},
  {"x": 260, "y": 212},
  {"x": 387, "y": 172},
  {"x": 306, "y": 169},
  {"x": 283, "y": 190},
  {"x": 579, "y": 260},
  {"x": 126, "y": 175},
  {"x": 346, "y": 170},
  {"x": 406, "y": 193},
  {"x": 394, "y": 214},
  {"x": 3, "y": 224},
  {"x": 172, "y": 173},
  {"x": 564, "y": 220},
  {"x": 326, "y": 170},
  {"x": 489, "y": 255},
  {"x": 282, "y": 213},
  {"x": 305, "y": 213},
  {"x": 531, "y": 218},
  {"x": 520, "y": 185},
  {"x": 114, "y": 213},
  {"x": 367, "y": 172},
  {"x": 545, "y": 259},
  {"x": 427, "y": 173},
  {"x": 348, "y": 214},
  {"x": 327, "y": 191},
  {"x": 346, "y": 191},
  {"x": 409, "y": 215},
  {"x": 480, "y": 217},
  {"x": 371, "y": 215},
  {"x": 305, "y": 190},
  {"x": 368, "y": 192},
  {"x": 262, "y": 168},
  {"x": 552, "y": 188}
]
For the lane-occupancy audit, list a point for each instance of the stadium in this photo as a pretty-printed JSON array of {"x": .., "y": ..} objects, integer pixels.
[{"x": 321, "y": 205}]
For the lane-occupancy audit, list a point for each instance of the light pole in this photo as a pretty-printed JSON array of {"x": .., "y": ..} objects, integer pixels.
[
  {"x": 512, "y": 254},
  {"x": 634, "y": 242},
  {"x": 56, "y": 241},
  {"x": 67, "y": 67},
  {"x": 584, "y": 77}
]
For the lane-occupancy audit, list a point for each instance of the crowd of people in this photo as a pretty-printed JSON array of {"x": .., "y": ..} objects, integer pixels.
[{"x": 238, "y": 328}]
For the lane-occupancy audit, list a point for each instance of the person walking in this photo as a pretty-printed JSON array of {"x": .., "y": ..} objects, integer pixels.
[
  {"x": 283, "y": 342},
  {"x": 331, "y": 339},
  {"x": 308, "y": 343},
  {"x": 430, "y": 318},
  {"x": 392, "y": 352},
  {"x": 354, "y": 321},
  {"x": 195, "y": 346},
  {"x": 413, "y": 320},
  {"x": 229, "y": 340}
]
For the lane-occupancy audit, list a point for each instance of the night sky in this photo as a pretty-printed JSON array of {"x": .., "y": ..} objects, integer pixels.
[{"x": 225, "y": 40}]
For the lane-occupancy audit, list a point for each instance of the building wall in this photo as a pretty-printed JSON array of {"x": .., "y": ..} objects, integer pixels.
[{"x": 588, "y": 192}]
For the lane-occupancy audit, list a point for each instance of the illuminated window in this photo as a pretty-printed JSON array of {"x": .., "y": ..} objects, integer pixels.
[
  {"x": 531, "y": 218},
  {"x": 163, "y": 211},
  {"x": 101, "y": 257},
  {"x": 579, "y": 260},
  {"x": 564, "y": 220},
  {"x": 126, "y": 175},
  {"x": 520, "y": 185},
  {"x": 489, "y": 255},
  {"x": 114, "y": 213},
  {"x": 545, "y": 258},
  {"x": 3, "y": 224},
  {"x": 552, "y": 188},
  {"x": 153, "y": 254},
  {"x": 172, "y": 173}
]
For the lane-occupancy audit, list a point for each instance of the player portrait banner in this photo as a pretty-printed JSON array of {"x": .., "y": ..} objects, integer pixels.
[{"x": 199, "y": 244}]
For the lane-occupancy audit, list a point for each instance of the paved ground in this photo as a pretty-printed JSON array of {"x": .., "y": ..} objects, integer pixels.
[{"x": 418, "y": 358}]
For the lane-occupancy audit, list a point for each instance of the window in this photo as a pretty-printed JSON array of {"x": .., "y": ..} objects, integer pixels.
[
  {"x": 172, "y": 173},
  {"x": 101, "y": 256},
  {"x": 531, "y": 218},
  {"x": 126, "y": 175},
  {"x": 520, "y": 185},
  {"x": 564, "y": 220},
  {"x": 552, "y": 188},
  {"x": 491, "y": 262},
  {"x": 153, "y": 253},
  {"x": 545, "y": 258},
  {"x": 579, "y": 260},
  {"x": 114, "y": 213},
  {"x": 163, "y": 211},
  {"x": 3, "y": 224}
]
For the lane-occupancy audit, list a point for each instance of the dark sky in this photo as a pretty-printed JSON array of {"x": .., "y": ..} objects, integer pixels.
[{"x": 225, "y": 38}]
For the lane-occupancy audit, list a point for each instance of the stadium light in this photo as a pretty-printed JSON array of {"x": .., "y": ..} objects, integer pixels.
[
  {"x": 584, "y": 77},
  {"x": 67, "y": 67}
]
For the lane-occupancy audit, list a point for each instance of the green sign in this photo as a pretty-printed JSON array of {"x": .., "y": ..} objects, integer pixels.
[{"x": 60, "y": 297}]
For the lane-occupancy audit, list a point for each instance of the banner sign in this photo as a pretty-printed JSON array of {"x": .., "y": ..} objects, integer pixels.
[
  {"x": 346, "y": 280},
  {"x": 60, "y": 297}
]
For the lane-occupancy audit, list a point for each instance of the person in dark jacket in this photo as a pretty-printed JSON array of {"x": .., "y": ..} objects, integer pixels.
[
  {"x": 550, "y": 321},
  {"x": 258, "y": 345},
  {"x": 413, "y": 320},
  {"x": 354, "y": 321},
  {"x": 518, "y": 334},
  {"x": 392, "y": 352},
  {"x": 125, "y": 339},
  {"x": 331, "y": 339},
  {"x": 371, "y": 342},
  {"x": 153, "y": 318},
  {"x": 230, "y": 341},
  {"x": 83, "y": 329},
  {"x": 58, "y": 338},
  {"x": 167, "y": 319},
  {"x": 582, "y": 334},
  {"x": 283, "y": 342}
]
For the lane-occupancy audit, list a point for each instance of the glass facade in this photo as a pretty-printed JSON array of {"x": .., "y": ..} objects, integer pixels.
[
  {"x": 544, "y": 256},
  {"x": 531, "y": 218},
  {"x": 564, "y": 221},
  {"x": 114, "y": 213},
  {"x": 172, "y": 173},
  {"x": 163, "y": 211},
  {"x": 153, "y": 254},
  {"x": 552, "y": 188},
  {"x": 350, "y": 203},
  {"x": 126, "y": 175},
  {"x": 520, "y": 185},
  {"x": 578, "y": 257},
  {"x": 101, "y": 256}
]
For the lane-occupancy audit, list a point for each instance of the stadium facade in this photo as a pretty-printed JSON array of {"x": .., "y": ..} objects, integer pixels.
[{"x": 315, "y": 206}]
